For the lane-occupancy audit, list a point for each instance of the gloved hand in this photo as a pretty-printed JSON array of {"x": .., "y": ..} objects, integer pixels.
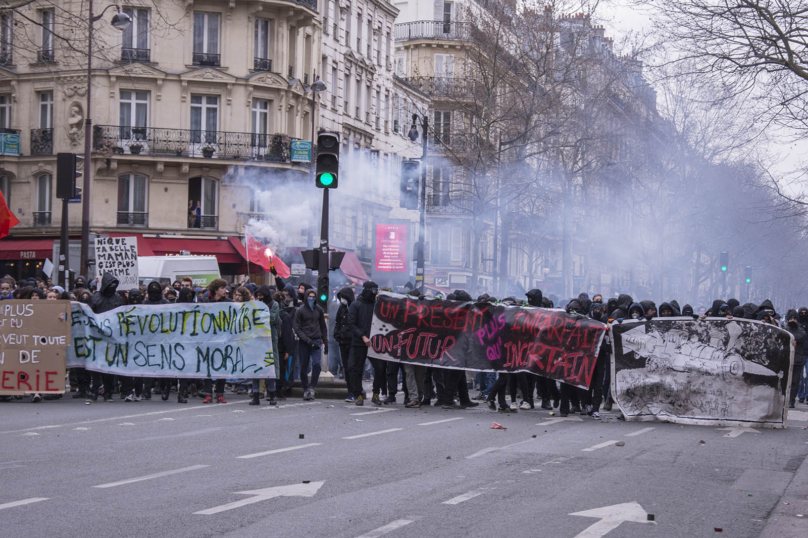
[
  {"x": 315, "y": 344},
  {"x": 325, "y": 348},
  {"x": 272, "y": 270}
]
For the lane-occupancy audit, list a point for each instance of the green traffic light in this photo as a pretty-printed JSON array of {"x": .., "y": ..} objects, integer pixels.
[
  {"x": 723, "y": 267},
  {"x": 748, "y": 280},
  {"x": 323, "y": 298},
  {"x": 327, "y": 179}
]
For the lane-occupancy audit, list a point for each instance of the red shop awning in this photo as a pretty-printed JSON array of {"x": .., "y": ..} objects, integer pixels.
[
  {"x": 26, "y": 248},
  {"x": 225, "y": 250},
  {"x": 352, "y": 268}
]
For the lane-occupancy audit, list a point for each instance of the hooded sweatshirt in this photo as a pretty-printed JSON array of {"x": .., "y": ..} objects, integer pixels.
[
  {"x": 534, "y": 297},
  {"x": 106, "y": 298},
  {"x": 274, "y": 314},
  {"x": 585, "y": 302},
  {"x": 309, "y": 322},
  {"x": 799, "y": 338},
  {"x": 666, "y": 306},
  {"x": 750, "y": 311},
  {"x": 638, "y": 309},
  {"x": 624, "y": 302},
  {"x": 687, "y": 310},
  {"x": 677, "y": 311},
  {"x": 649, "y": 305},
  {"x": 767, "y": 305},
  {"x": 360, "y": 314},
  {"x": 135, "y": 296},
  {"x": 716, "y": 308},
  {"x": 154, "y": 294},
  {"x": 342, "y": 331}
]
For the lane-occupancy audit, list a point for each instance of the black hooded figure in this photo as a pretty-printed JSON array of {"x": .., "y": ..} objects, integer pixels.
[
  {"x": 687, "y": 310},
  {"x": 137, "y": 387},
  {"x": 154, "y": 294},
  {"x": 750, "y": 311},
  {"x": 666, "y": 310},
  {"x": 451, "y": 384},
  {"x": 677, "y": 311},
  {"x": 134, "y": 296},
  {"x": 624, "y": 302},
  {"x": 360, "y": 318},
  {"x": 104, "y": 300},
  {"x": 342, "y": 334},
  {"x": 545, "y": 387},
  {"x": 592, "y": 397}
]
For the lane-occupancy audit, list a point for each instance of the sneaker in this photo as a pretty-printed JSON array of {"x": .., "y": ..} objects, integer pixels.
[
  {"x": 524, "y": 406},
  {"x": 164, "y": 395},
  {"x": 801, "y": 400},
  {"x": 513, "y": 406},
  {"x": 546, "y": 405},
  {"x": 413, "y": 404},
  {"x": 360, "y": 400},
  {"x": 452, "y": 405},
  {"x": 595, "y": 415},
  {"x": 507, "y": 410},
  {"x": 492, "y": 405},
  {"x": 145, "y": 396},
  {"x": 389, "y": 400},
  {"x": 220, "y": 399},
  {"x": 466, "y": 405},
  {"x": 375, "y": 400},
  {"x": 563, "y": 414},
  {"x": 129, "y": 397},
  {"x": 107, "y": 397},
  {"x": 255, "y": 400},
  {"x": 556, "y": 404},
  {"x": 792, "y": 406},
  {"x": 207, "y": 399},
  {"x": 311, "y": 394},
  {"x": 181, "y": 398},
  {"x": 607, "y": 406},
  {"x": 575, "y": 409},
  {"x": 481, "y": 397},
  {"x": 36, "y": 398},
  {"x": 80, "y": 394},
  {"x": 350, "y": 399},
  {"x": 139, "y": 397},
  {"x": 306, "y": 395}
]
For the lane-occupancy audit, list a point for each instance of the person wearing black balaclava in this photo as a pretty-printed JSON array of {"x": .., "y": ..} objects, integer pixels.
[
  {"x": 360, "y": 318},
  {"x": 342, "y": 335},
  {"x": 264, "y": 294},
  {"x": 186, "y": 295},
  {"x": 154, "y": 296},
  {"x": 802, "y": 393},
  {"x": 311, "y": 330},
  {"x": 592, "y": 397},
  {"x": 793, "y": 326},
  {"x": 104, "y": 300}
]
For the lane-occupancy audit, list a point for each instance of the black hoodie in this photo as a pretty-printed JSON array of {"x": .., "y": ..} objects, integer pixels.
[
  {"x": 717, "y": 304},
  {"x": 687, "y": 310},
  {"x": 624, "y": 302},
  {"x": 799, "y": 339},
  {"x": 666, "y": 306},
  {"x": 309, "y": 323},
  {"x": 767, "y": 305},
  {"x": 677, "y": 311},
  {"x": 534, "y": 297},
  {"x": 803, "y": 315},
  {"x": 750, "y": 311},
  {"x": 360, "y": 314},
  {"x": 154, "y": 294},
  {"x": 649, "y": 305},
  {"x": 135, "y": 297},
  {"x": 106, "y": 298},
  {"x": 342, "y": 331}
]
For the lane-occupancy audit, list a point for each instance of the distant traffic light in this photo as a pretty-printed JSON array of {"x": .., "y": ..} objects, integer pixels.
[
  {"x": 327, "y": 170},
  {"x": 66, "y": 175},
  {"x": 748, "y": 274},
  {"x": 323, "y": 292},
  {"x": 724, "y": 261},
  {"x": 409, "y": 184}
]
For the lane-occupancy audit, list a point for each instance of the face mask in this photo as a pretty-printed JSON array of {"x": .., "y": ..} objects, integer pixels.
[
  {"x": 310, "y": 300},
  {"x": 343, "y": 300},
  {"x": 597, "y": 314},
  {"x": 635, "y": 316},
  {"x": 792, "y": 323}
]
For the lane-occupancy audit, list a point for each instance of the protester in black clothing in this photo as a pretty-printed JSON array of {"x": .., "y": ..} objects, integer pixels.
[
  {"x": 793, "y": 326},
  {"x": 360, "y": 318},
  {"x": 218, "y": 294},
  {"x": 311, "y": 331},
  {"x": 591, "y": 398},
  {"x": 104, "y": 300},
  {"x": 287, "y": 345},
  {"x": 342, "y": 335}
]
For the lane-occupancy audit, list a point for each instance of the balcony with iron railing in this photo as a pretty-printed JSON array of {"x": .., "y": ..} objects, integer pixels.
[
  {"x": 449, "y": 31},
  {"x": 42, "y": 141},
  {"x": 134, "y": 219},
  {"x": 447, "y": 86},
  {"x": 205, "y": 222},
  {"x": 42, "y": 218},
  {"x": 135, "y": 55},
  {"x": 120, "y": 140},
  {"x": 262, "y": 64},
  {"x": 207, "y": 59},
  {"x": 45, "y": 56},
  {"x": 6, "y": 58}
]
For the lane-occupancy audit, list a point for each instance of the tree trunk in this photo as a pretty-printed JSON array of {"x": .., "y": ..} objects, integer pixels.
[
  {"x": 503, "y": 256},
  {"x": 475, "y": 258}
]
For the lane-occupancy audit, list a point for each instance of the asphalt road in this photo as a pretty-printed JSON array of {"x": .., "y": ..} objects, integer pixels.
[{"x": 70, "y": 469}]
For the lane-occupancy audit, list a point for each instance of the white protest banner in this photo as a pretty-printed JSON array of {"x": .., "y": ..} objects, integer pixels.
[
  {"x": 187, "y": 340},
  {"x": 117, "y": 255},
  {"x": 714, "y": 371}
]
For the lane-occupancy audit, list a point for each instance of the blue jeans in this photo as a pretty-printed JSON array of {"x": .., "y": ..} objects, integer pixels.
[
  {"x": 485, "y": 380},
  {"x": 803, "y": 391},
  {"x": 256, "y": 385},
  {"x": 309, "y": 356}
]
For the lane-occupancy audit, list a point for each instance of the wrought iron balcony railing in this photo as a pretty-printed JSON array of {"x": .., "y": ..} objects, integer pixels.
[
  {"x": 262, "y": 64},
  {"x": 133, "y": 219},
  {"x": 115, "y": 139},
  {"x": 207, "y": 59},
  {"x": 6, "y": 58},
  {"x": 45, "y": 56},
  {"x": 42, "y": 218},
  {"x": 42, "y": 141},
  {"x": 207, "y": 222},
  {"x": 447, "y": 86},
  {"x": 135, "y": 55},
  {"x": 451, "y": 31}
]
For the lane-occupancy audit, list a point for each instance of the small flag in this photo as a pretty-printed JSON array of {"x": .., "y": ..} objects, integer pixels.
[
  {"x": 260, "y": 254},
  {"x": 7, "y": 218}
]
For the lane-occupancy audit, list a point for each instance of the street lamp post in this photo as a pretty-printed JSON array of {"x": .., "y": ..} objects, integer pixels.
[
  {"x": 419, "y": 259},
  {"x": 120, "y": 21}
]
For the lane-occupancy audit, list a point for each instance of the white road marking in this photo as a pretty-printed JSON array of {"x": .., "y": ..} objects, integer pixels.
[
  {"x": 640, "y": 432},
  {"x": 29, "y": 434},
  {"x": 440, "y": 421},
  {"x": 81, "y": 429},
  {"x": 276, "y": 451},
  {"x": 390, "y": 527},
  {"x": 150, "y": 476},
  {"x": 126, "y": 424},
  {"x": 466, "y": 496},
  {"x": 95, "y": 421},
  {"x": 373, "y": 433},
  {"x": 483, "y": 452},
  {"x": 600, "y": 445},
  {"x": 611, "y": 517},
  {"x": 284, "y": 406},
  {"x": 735, "y": 432},
  {"x": 22, "y": 502},
  {"x": 258, "y": 495},
  {"x": 164, "y": 419},
  {"x": 531, "y": 471},
  {"x": 556, "y": 420},
  {"x": 373, "y": 412}
]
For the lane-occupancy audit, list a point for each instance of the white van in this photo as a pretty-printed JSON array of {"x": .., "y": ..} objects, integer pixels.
[{"x": 166, "y": 269}]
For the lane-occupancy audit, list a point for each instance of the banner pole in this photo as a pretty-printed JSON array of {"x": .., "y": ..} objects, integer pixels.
[{"x": 247, "y": 243}]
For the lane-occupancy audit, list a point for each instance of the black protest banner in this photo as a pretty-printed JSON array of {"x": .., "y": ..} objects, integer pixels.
[
  {"x": 713, "y": 371},
  {"x": 486, "y": 337}
]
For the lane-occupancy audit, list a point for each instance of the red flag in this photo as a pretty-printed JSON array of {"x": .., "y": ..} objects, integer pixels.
[
  {"x": 7, "y": 218},
  {"x": 260, "y": 254}
]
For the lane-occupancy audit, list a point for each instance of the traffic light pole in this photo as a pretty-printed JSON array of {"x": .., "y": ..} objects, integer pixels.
[
  {"x": 419, "y": 267},
  {"x": 322, "y": 266}
]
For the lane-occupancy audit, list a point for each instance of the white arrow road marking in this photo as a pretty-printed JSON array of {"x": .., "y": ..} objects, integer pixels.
[
  {"x": 640, "y": 432},
  {"x": 373, "y": 433},
  {"x": 440, "y": 421},
  {"x": 611, "y": 517},
  {"x": 390, "y": 527},
  {"x": 600, "y": 445},
  {"x": 735, "y": 432},
  {"x": 294, "y": 490},
  {"x": 22, "y": 502},
  {"x": 466, "y": 496},
  {"x": 556, "y": 420},
  {"x": 373, "y": 412},
  {"x": 531, "y": 471},
  {"x": 277, "y": 451},
  {"x": 150, "y": 476}
]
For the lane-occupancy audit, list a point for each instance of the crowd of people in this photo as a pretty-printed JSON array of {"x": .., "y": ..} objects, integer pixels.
[{"x": 302, "y": 331}]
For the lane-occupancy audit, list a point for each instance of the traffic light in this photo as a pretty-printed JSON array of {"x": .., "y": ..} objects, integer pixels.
[
  {"x": 66, "y": 176},
  {"x": 410, "y": 184},
  {"x": 748, "y": 274},
  {"x": 323, "y": 291},
  {"x": 327, "y": 171},
  {"x": 724, "y": 261}
]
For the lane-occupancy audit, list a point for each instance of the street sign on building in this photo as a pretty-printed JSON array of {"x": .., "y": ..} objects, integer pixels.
[
  {"x": 9, "y": 144},
  {"x": 301, "y": 151}
]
